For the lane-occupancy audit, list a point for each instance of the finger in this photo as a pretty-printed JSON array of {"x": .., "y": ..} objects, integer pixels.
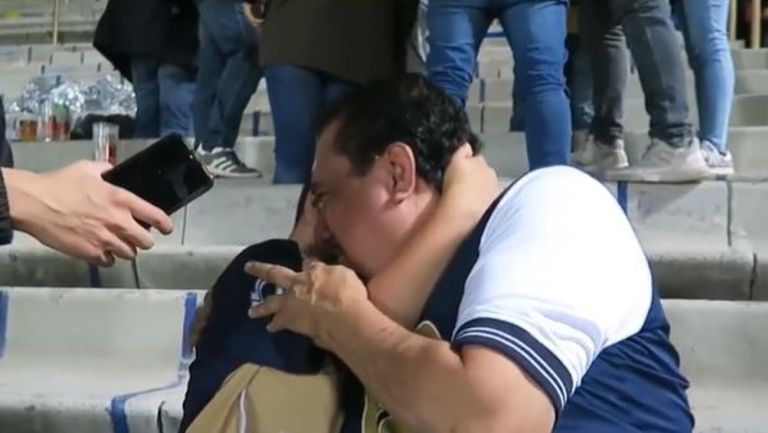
[
  {"x": 269, "y": 307},
  {"x": 278, "y": 275},
  {"x": 104, "y": 260},
  {"x": 138, "y": 237},
  {"x": 144, "y": 211},
  {"x": 277, "y": 324},
  {"x": 118, "y": 247},
  {"x": 97, "y": 167}
]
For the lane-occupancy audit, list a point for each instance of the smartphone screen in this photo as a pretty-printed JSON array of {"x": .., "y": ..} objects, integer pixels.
[{"x": 166, "y": 174}]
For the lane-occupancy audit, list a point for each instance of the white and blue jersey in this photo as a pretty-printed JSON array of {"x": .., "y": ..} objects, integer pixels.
[{"x": 555, "y": 279}]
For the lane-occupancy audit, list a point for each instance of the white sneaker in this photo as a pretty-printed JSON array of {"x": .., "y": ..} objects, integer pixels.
[
  {"x": 600, "y": 158},
  {"x": 664, "y": 163},
  {"x": 720, "y": 164},
  {"x": 223, "y": 162}
]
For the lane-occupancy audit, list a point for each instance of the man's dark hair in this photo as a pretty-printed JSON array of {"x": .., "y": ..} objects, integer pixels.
[{"x": 408, "y": 109}]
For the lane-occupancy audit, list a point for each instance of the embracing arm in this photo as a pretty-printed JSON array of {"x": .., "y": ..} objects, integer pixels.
[
  {"x": 403, "y": 287},
  {"x": 429, "y": 387}
]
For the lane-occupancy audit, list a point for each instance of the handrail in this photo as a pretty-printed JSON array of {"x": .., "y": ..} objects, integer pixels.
[
  {"x": 56, "y": 21},
  {"x": 757, "y": 21},
  {"x": 732, "y": 15}
]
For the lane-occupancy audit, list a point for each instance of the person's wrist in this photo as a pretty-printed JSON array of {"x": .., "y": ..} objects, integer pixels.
[
  {"x": 334, "y": 327},
  {"x": 20, "y": 186}
]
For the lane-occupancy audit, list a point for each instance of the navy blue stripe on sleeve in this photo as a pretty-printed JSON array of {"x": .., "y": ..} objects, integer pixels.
[{"x": 525, "y": 351}]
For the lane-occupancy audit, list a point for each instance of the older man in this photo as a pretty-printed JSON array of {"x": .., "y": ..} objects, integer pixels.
[{"x": 544, "y": 320}]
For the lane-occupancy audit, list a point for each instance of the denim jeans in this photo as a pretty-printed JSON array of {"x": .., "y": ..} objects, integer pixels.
[
  {"x": 705, "y": 24},
  {"x": 228, "y": 74},
  {"x": 650, "y": 35},
  {"x": 579, "y": 77},
  {"x": 164, "y": 94},
  {"x": 297, "y": 97},
  {"x": 536, "y": 32}
]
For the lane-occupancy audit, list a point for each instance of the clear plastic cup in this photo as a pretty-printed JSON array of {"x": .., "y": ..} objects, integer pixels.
[{"x": 105, "y": 137}]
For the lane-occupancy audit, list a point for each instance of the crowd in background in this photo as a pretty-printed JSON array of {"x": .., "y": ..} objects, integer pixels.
[{"x": 196, "y": 64}]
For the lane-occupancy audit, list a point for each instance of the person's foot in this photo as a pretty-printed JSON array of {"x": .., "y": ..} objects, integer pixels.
[
  {"x": 719, "y": 163},
  {"x": 223, "y": 162},
  {"x": 664, "y": 163},
  {"x": 596, "y": 157}
]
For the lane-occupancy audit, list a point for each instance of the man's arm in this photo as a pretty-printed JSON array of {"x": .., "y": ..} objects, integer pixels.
[
  {"x": 403, "y": 287},
  {"x": 428, "y": 387}
]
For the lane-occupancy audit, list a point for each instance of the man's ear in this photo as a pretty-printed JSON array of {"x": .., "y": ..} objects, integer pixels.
[{"x": 401, "y": 169}]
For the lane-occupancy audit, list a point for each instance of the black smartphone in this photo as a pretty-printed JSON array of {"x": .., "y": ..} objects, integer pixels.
[{"x": 166, "y": 174}]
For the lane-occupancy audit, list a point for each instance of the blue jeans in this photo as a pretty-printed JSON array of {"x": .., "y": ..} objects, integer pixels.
[
  {"x": 705, "y": 28},
  {"x": 228, "y": 74},
  {"x": 164, "y": 95},
  {"x": 580, "y": 85},
  {"x": 298, "y": 96},
  {"x": 536, "y": 31}
]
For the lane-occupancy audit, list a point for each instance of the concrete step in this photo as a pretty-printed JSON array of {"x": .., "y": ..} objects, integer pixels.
[
  {"x": 129, "y": 375},
  {"x": 700, "y": 238},
  {"x": 61, "y": 373},
  {"x": 498, "y": 62},
  {"x": 500, "y": 90},
  {"x": 723, "y": 350},
  {"x": 747, "y": 110},
  {"x": 506, "y": 151}
]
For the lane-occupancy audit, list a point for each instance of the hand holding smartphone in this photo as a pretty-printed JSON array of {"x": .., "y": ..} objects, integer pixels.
[{"x": 166, "y": 174}]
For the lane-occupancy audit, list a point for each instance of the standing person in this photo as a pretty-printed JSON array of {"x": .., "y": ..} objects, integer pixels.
[
  {"x": 674, "y": 154},
  {"x": 228, "y": 75},
  {"x": 153, "y": 44},
  {"x": 536, "y": 32},
  {"x": 705, "y": 27},
  {"x": 316, "y": 51}
]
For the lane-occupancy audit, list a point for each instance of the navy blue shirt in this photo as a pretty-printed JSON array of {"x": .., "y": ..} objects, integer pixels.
[{"x": 231, "y": 339}]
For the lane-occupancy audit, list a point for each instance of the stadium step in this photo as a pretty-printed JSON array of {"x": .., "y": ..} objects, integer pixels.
[
  {"x": 91, "y": 361},
  {"x": 103, "y": 361},
  {"x": 705, "y": 240}
]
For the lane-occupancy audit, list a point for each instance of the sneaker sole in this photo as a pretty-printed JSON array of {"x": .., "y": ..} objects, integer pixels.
[
  {"x": 651, "y": 176},
  {"x": 230, "y": 175}
]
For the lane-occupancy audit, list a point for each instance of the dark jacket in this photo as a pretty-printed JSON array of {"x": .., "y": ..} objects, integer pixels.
[
  {"x": 6, "y": 160},
  {"x": 163, "y": 30},
  {"x": 356, "y": 40},
  {"x": 231, "y": 339}
]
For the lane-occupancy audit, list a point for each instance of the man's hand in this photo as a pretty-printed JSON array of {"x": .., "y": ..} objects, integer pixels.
[
  {"x": 313, "y": 300},
  {"x": 470, "y": 185},
  {"x": 75, "y": 211}
]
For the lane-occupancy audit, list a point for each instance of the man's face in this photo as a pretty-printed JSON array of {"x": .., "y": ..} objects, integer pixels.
[{"x": 368, "y": 216}]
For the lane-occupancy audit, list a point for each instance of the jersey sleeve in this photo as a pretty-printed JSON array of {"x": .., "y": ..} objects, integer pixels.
[{"x": 559, "y": 277}]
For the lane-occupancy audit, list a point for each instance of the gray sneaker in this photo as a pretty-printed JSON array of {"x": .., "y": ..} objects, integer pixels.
[
  {"x": 597, "y": 157},
  {"x": 720, "y": 164},
  {"x": 664, "y": 163},
  {"x": 223, "y": 162}
]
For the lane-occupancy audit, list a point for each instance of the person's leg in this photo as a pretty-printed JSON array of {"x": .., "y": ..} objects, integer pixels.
[
  {"x": 705, "y": 26},
  {"x": 295, "y": 95},
  {"x": 456, "y": 29},
  {"x": 658, "y": 56},
  {"x": 536, "y": 32},
  {"x": 147, "y": 90},
  {"x": 606, "y": 48},
  {"x": 582, "y": 110},
  {"x": 240, "y": 78},
  {"x": 177, "y": 94},
  {"x": 210, "y": 67}
]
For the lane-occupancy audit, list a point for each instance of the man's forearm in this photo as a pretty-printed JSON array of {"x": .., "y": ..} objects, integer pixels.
[
  {"x": 403, "y": 287},
  {"x": 420, "y": 381}
]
